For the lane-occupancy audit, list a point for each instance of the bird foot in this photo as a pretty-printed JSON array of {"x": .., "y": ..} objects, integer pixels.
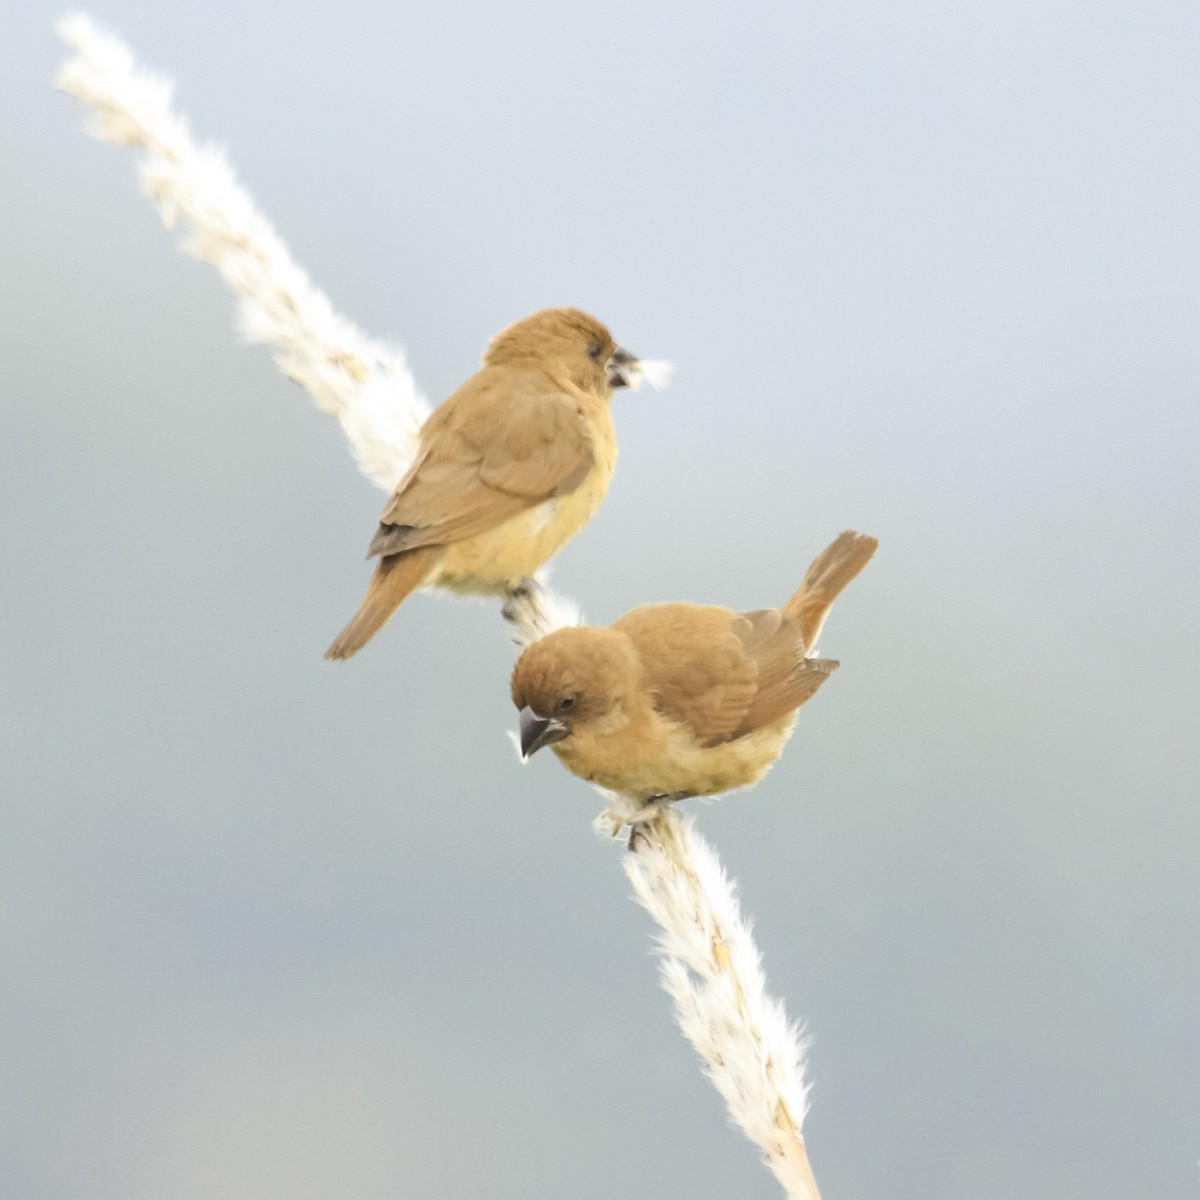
[
  {"x": 662, "y": 800},
  {"x": 650, "y": 809},
  {"x": 516, "y": 598}
]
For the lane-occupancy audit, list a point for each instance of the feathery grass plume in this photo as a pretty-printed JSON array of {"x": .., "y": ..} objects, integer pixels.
[
  {"x": 712, "y": 971},
  {"x": 654, "y": 372},
  {"x": 711, "y": 968},
  {"x": 534, "y": 611},
  {"x": 365, "y": 385}
]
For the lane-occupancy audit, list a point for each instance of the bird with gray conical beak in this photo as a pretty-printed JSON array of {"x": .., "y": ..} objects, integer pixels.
[
  {"x": 509, "y": 468},
  {"x": 676, "y": 700}
]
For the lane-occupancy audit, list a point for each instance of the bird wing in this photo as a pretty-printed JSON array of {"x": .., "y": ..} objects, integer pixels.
[
  {"x": 695, "y": 665},
  {"x": 785, "y": 679},
  {"x": 722, "y": 674},
  {"x": 492, "y": 450}
]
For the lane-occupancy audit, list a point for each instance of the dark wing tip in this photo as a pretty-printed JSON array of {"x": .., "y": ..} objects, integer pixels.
[{"x": 390, "y": 539}]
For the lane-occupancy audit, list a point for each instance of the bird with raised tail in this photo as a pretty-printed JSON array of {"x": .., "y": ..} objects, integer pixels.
[
  {"x": 508, "y": 469},
  {"x": 677, "y": 700}
]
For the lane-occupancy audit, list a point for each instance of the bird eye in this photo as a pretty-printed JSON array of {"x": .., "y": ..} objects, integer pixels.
[
  {"x": 594, "y": 349},
  {"x": 567, "y": 702}
]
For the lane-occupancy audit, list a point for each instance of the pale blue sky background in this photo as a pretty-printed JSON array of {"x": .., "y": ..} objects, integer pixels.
[{"x": 277, "y": 930}]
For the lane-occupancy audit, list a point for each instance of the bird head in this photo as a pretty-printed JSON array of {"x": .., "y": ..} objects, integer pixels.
[
  {"x": 569, "y": 345},
  {"x": 571, "y": 680}
]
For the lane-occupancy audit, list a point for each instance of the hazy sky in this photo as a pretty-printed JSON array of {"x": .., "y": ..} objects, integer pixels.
[{"x": 275, "y": 929}]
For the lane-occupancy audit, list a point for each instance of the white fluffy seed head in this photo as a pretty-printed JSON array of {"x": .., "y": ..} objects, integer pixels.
[
  {"x": 712, "y": 971},
  {"x": 710, "y": 968},
  {"x": 655, "y": 372},
  {"x": 363, "y": 383}
]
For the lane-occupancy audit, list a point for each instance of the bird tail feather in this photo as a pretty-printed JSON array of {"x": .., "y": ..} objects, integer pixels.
[
  {"x": 831, "y": 570},
  {"x": 396, "y": 577}
]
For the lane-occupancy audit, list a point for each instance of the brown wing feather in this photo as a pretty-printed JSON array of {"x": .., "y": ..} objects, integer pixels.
[
  {"x": 725, "y": 674},
  {"x": 786, "y": 679},
  {"x": 720, "y": 673},
  {"x": 695, "y": 664},
  {"x": 496, "y": 447}
]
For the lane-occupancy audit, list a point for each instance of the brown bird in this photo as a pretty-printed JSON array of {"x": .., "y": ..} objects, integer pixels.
[
  {"x": 677, "y": 700},
  {"x": 509, "y": 468}
]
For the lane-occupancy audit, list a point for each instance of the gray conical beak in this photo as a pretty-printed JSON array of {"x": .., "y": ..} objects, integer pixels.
[
  {"x": 537, "y": 732},
  {"x": 621, "y": 367}
]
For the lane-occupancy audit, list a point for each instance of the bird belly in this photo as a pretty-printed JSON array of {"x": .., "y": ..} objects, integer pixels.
[
  {"x": 675, "y": 763},
  {"x": 500, "y": 558}
]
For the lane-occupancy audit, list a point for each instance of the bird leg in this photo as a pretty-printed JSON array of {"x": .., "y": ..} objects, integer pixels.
[
  {"x": 650, "y": 809},
  {"x": 516, "y": 598},
  {"x": 637, "y": 835},
  {"x": 664, "y": 798}
]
